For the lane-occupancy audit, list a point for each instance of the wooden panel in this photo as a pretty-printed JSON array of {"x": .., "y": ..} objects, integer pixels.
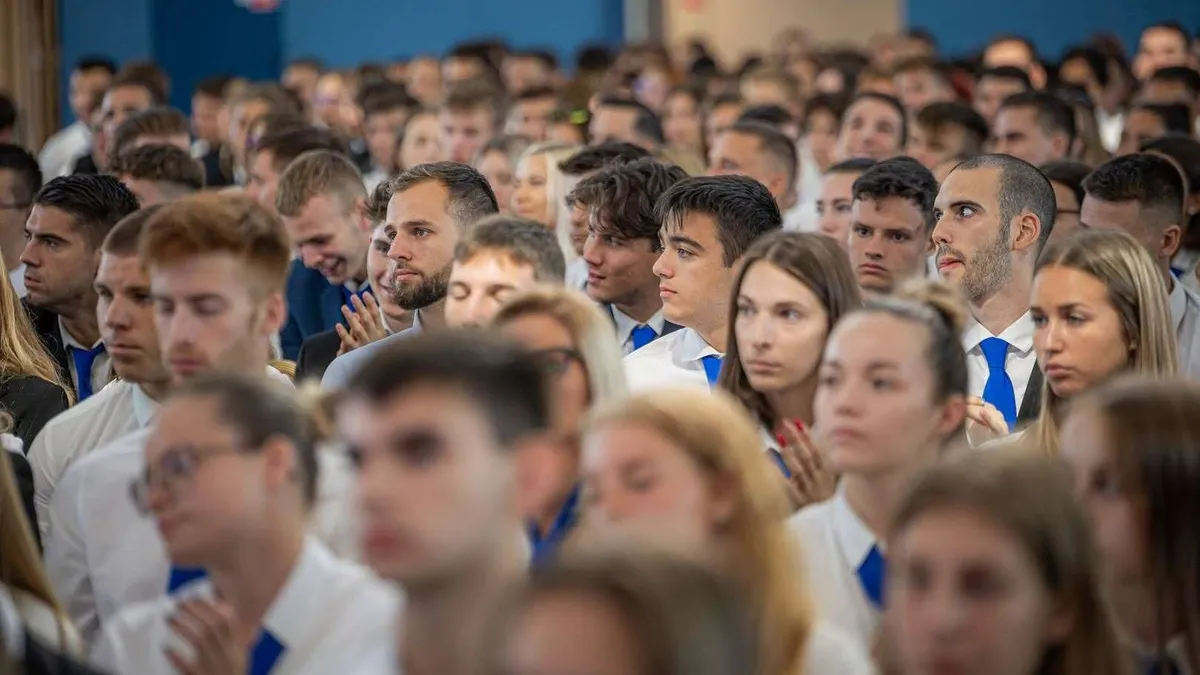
[{"x": 28, "y": 67}]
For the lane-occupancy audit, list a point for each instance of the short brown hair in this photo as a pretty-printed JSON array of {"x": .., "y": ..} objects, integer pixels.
[
  {"x": 123, "y": 239},
  {"x": 164, "y": 164},
  {"x": 524, "y": 241},
  {"x": 149, "y": 122},
  {"x": 288, "y": 143},
  {"x": 219, "y": 223},
  {"x": 472, "y": 95},
  {"x": 378, "y": 202},
  {"x": 318, "y": 172}
]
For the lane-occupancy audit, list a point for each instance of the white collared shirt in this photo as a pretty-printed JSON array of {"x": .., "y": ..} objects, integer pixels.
[
  {"x": 834, "y": 542},
  {"x": 16, "y": 277},
  {"x": 331, "y": 616},
  {"x": 626, "y": 324},
  {"x": 1020, "y": 362},
  {"x": 58, "y": 155},
  {"x": 1185, "y": 312},
  {"x": 577, "y": 274},
  {"x": 115, "y": 411},
  {"x": 101, "y": 367},
  {"x": 1110, "y": 128},
  {"x": 671, "y": 361}
]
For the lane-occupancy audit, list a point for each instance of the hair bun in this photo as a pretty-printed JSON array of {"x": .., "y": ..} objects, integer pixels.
[{"x": 939, "y": 296}]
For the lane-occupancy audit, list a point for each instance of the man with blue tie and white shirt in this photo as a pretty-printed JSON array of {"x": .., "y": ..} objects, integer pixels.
[
  {"x": 622, "y": 246},
  {"x": 706, "y": 224},
  {"x": 993, "y": 215}
]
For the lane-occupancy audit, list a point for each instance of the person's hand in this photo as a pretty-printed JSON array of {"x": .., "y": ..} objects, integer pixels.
[
  {"x": 364, "y": 324},
  {"x": 208, "y": 626},
  {"x": 811, "y": 481},
  {"x": 984, "y": 422}
]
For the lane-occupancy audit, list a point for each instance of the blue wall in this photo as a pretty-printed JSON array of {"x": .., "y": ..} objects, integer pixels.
[
  {"x": 963, "y": 26},
  {"x": 120, "y": 29}
]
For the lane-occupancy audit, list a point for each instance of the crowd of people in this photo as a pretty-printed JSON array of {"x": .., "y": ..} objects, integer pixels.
[{"x": 838, "y": 362}]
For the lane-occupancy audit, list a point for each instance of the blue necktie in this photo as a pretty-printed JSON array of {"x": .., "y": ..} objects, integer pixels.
[
  {"x": 712, "y": 368},
  {"x": 84, "y": 358},
  {"x": 181, "y": 576},
  {"x": 264, "y": 654},
  {"x": 642, "y": 336},
  {"x": 998, "y": 390},
  {"x": 778, "y": 458},
  {"x": 871, "y": 574}
]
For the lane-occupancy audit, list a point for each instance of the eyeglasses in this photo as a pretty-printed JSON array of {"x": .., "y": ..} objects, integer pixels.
[
  {"x": 555, "y": 361},
  {"x": 173, "y": 472}
]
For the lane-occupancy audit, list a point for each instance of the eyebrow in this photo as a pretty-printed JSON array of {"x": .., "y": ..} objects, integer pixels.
[{"x": 677, "y": 240}]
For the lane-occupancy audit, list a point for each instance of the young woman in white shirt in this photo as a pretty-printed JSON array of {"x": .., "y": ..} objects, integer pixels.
[
  {"x": 791, "y": 291},
  {"x": 992, "y": 572},
  {"x": 891, "y": 396},
  {"x": 684, "y": 469},
  {"x": 231, "y": 478},
  {"x": 1134, "y": 450}
]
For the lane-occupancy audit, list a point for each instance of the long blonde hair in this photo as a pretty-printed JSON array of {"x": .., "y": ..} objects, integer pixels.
[
  {"x": 718, "y": 434},
  {"x": 1135, "y": 291},
  {"x": 556, "y": 191},
  {"x": 21, "y": 351}
]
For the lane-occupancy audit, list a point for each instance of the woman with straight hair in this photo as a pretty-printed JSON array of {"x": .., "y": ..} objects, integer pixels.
[
  {"x": 791, "y": 291},
  {"x": 891, "y": 398},
  {"x": 991, "y": 570},
  {"x": 1099, "y": 309},
  {"x": 497, "y": 161},
  {"x": 683, "y": 469},
  {"x": 540, "y": 191},
  {"x": 1134, "y": 450},
  {"x": 574, "y": 339}
]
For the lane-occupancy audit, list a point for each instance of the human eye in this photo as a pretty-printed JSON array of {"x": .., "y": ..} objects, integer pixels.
[{"x": 965, "y": 211}]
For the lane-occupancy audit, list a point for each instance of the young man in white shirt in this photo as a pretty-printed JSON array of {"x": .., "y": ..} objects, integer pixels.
[
  {"x": 891, "y": 218},
  {"x": 706, "y": 224},
  {"x": 126, "y": 319},
  {"x": 437, "y": 426},
  {"x": 217, "y": 264},
  {"x": 622, "y": 246},
  {"x": 993, "y": 215},
  {"x": 89, "y": 80},
  {"x": 1143, "y": 195},
  {"x": 231, "y": 475}
]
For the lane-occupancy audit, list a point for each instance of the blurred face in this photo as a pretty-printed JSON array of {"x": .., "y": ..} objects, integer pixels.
[
  {"x": 821, "y": 132},
  {"x": 331, "y": 237},
  {"x": 874, "y": 408},
  {"x": 1159, "y": 48},
  {"x": 765, "y": 92},
  {"x": 579, "y": 226},
  {"x": 377, "y": 273},
  {"x": 694, "y": 281},
  {"x": 1100, "y": 214},
  {"x": 565, "y": 132},
  {"x": 1141, "y": 127},
  {"x": 524, "y": 72},
  {"x": 834, "y": 206},
  {"x": 918, "y": 88},
  {"x": 14, "y": 212},
  {"x": 424, "y": 237},
  {"x": 208, "y": 318},
  {"x": 530, "y": 197},
  {"x": 616, "y": 124},
  {"x": 570, "y": 633},
  {"x": 1066, "y": 218},
  {"x": 205, "y": 122},
  {"x": 641, "y": 481},
  {"x": 966, "y": 596},
  {"x": 720, "y": 119},
  {"x": 457, "y": 69},
  {"x": 780, "y": 329},
  {"x": 888, "y": 242},
  {"x": 60, "y": 263},
  {"x": 991, "y": 91},
  {"x": 119, "y": 104},
  {"x": 86, "y": 85},
  {"x": 496, "y": 168},
  {"x": 652, "y": 87},
  {"x": 1078, "y": 334},
  {"x": 871, "y": 129},
  {"x": 1017, "y": 133},
  {"x": 264, "y": 179},
  {"x": 1108, "y": 497},
  {"x": 424, "y": 80},
  {"x": 932, "y": 147},
  {"x": 327, "y": 101},
  {"x": 436, "y": 490},
  {"x": 620, "y": 270},
  {"x": 422, "y": 142},
  {"x": 241, "y": 119},
  {"x": 528, "y": 117},
  {"x": 480, "y": 285},
  {"x": 681, "y": 121},
  {"x": 381, "y": 131},
  {"x": 465, "y": 132},
  {"x": 733, "y": 153},
  {"x": 125, "y": 314},
  {"x": 301, "y": 79},
  {"x": 972, "y": 249},
  {"x": 1008, "y": 53}
]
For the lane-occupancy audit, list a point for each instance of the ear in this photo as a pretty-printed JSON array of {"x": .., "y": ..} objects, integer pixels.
[
  {"x": 1172, "y": 237},
  {"x": 1024, "y": 231},
  {"x": 951, "y": 416},
  {"x": 722, "y": 500},
  {"x": 1037, "y": 76},
  {"x": 279, "y": 457},
  {"x": 274, "y": 313},
  {"x": 1062, "y": 145},
  {"x": 360, "y": 213}
]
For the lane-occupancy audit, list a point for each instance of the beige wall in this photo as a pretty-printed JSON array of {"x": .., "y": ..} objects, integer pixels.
[{"x": 734, "y": 27}]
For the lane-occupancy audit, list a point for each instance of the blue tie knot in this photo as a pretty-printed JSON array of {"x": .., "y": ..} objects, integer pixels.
[
  {"x": 84, "y": 360},
  {"x": 995, "y": 350},
  {"x": 642, "y": 336},
  {"x": 712, "y": 368}
]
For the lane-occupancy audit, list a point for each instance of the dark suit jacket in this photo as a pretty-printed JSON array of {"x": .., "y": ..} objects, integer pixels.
[
  {"x": 45, "y": 324},
  {"x": 316, "y": 354},
  {"x": 214, "y": 177},
  {"x": 31, "y": 402},
  {"x": 314, "y": 306},
  {"x": 1031, "y": 405},
  {"x": 40, "y": 659}
]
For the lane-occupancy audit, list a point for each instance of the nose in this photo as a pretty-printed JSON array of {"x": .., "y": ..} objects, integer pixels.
[
  {"x": 1051, "y": 336},
  {"x": 119, "y": 314},
  {"x": 29, "y": 256},
  {"x": 310, "y": 256},
  {"x": 590, "y": 254},
  {"x": 874, "y": 247},
  {"x": 398, "y": 251},
  {"x": 758, "y": 332},
  {"x": 662, "y": 267}
]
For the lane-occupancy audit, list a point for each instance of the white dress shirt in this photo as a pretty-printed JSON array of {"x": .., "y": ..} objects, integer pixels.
[
  {"x": 1185, "y": 312},
  {"x": 577, "y": 274},
  {"x": 626, "y": 324},
  {"x": 373, "y": 178},
  {"x": 101, "y": 367},
  {"x": 16, "y": 277},
  {"x": 1110, "y": 128},
  {"x": 115, "y": 411},
  {"x": 670, "y": 361},
  {"x": 831, "y": 651},
  {"x": 834, "y": 542},
  {"x": 1020, "y": 362},
  {"x": 331, "y": 616},
  {"x": 58, "y": 155}
]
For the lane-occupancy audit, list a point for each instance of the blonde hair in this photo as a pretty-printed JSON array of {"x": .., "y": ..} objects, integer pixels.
[
  {"x": 719, "y": 436},
  {"x": 21, "y": 351},
  {"x": 319, "y": 172},
  {"x": 556, "y": 191},
  {"x": 591, "y": 332},
  {"x": 1135, "y": 291}
]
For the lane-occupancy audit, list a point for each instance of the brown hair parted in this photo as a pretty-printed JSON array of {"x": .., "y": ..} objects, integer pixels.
[
  {"x": 1030, "y": 498},
  {"x": 377, "y": 203},
  {"x": 815, "y": 261},
  {"x": 207, "y": 223},
  {"x": 522, "y": 240},
  {"x": 319, "y": 172},
  {"x": 171, "y": 168},
  {"x": 122, "y": 240},
  {"x": 622, "y": 197}
]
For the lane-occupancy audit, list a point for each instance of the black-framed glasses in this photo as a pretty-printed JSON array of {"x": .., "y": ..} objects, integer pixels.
[
  {"x": 173, "y": 471},
  {"x": 555, "y": 361}
]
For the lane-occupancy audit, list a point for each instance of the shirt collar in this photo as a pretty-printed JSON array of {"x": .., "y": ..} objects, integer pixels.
[
  {"x": 692, "y": 347},
  {"x": 144, "y": 407},
  {"x": 417, "y": 321},
  {"x": 1178, "y": 301},
  {"x": 626, "y": 324},
  {"x": 291, "y": 609},
  {"x": 853, "y": 536},
  {"x": 544, "y": 547},
  {"x": 1019, "y": 334},
  {"x": 70, "y": 341}
]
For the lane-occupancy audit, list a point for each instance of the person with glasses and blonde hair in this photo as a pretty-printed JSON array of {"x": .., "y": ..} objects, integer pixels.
[
  {"x": 573, "y": 338},
  {"x": 230, "y": 478},
  {"x": 683, "y": 469}
]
